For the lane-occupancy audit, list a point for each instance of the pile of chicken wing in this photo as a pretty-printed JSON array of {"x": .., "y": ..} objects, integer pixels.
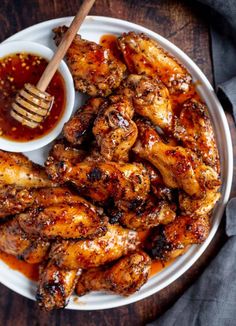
[{"x": 140, "y": 155}]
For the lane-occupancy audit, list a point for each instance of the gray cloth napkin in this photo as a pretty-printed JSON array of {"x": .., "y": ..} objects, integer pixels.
[
  {"x": 222, "y": 15},
  {"x": 211, "y": 301}
]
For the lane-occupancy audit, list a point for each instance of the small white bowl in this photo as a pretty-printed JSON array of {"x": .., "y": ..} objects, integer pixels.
[{"x": 12, "y": 47}]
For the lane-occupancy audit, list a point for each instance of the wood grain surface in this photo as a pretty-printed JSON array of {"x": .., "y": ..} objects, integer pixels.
[{"x": 185, "y": 23}]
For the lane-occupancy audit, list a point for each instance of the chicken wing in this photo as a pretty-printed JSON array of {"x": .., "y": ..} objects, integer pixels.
[
  {"x": 148, "y": 215},
  {"x": 79, "y": 220},
  {"x": 55, "y": 286},
  {"x": 199, "y": 206},
  {"x": 92, "y": 253},
  {"x": 14, "y": 241},
  {"x": 169, "y": 241},
  {"x": 94, "y": 69},
  {"x": 13, "y": 200},
  {"x": 150, "y": 99},
  {"x": 125, "y": 277},
  {"x": 77, "y": 129},
  {"x": 62, "y": 152},
  {"x": 103, "y": 180},
  {"x": 177, "y": 165},
  {"x": 114, "y": 129},
  {"x": 143, "y": 55},
  {"x": 194, "y": 129},
  {"x": 17, "y": 170},
  {"x": 46, "y": 197},
  {"x": 159, "y": 189}
]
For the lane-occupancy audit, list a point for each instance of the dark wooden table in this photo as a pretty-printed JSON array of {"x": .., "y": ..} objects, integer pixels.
[{"x": 184, "y": 23}]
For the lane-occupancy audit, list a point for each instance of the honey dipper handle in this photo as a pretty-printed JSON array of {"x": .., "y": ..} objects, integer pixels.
[{"x": 64, "y": 45}]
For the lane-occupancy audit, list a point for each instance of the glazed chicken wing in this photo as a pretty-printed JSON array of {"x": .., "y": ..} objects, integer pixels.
[
  {"x": 177, "y": 165},
  {"x": 158, "y": 188},
  {"x": 18, "y": 176},
  {"x": 103, "y": 180},
  {"x": 94, "y": 69},
  {"x": 173, "y": 163},
  {"x": 150, "y": 99},
  {"x": 125, "y": 277},
  {"x": 114, "y": 129},
  {"x": 77, "y": 129},
  {"x": 79, "y": 220},
  {"x": 63, "y": 152},
  {"x": 17, "y": 170},
  {"x": 143, "y": 55},
  {"x": 169, "y": 241},
  {"x": 14, "y": 241},
  {"x": 92, "y": 253},
  {"x": 152, "y": 213},
  {"x": 194, "y": 129},
  {"x": 55, "y": 286},
  {"x": 13, "y": 200},
  {"x": 199, "y": 206}
]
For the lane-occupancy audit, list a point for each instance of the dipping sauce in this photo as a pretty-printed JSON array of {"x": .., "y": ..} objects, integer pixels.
[
  {"x": 29, "y": 270},
  {"x": 16, "y": 70}
]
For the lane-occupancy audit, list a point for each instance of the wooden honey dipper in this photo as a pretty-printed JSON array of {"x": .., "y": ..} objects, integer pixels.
[{"x": 32, "y": 104}]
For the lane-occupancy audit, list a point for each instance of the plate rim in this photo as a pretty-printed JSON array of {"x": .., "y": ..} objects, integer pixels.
[{"x": 228, "y": 151}]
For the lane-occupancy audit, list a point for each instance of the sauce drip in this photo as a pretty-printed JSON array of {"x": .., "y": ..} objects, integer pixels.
[
  {"x": 109, "y": 41},
  {"x": 15, "y": 71},
  {"x": 156, "y": 266},
  {"x": 29, "y": 270}
]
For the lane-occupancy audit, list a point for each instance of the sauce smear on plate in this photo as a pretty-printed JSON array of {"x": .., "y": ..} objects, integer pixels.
[
  {"x": 16, "y": 70},
  {"x": 29, "y": 270}
]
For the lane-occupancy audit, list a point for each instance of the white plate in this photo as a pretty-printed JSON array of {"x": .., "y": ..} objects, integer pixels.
[{"x": 92, "y": 29}]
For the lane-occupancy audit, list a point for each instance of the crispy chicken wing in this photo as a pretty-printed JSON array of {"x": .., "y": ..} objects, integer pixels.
[
  {"x": 55, "y": 286},
  {"x": 92, "y": 253},
  {"x": 14, "y": 241},
  {"x": 194, "y": 129},
  {"x": 18, "y": 176},
  {"x": 159, "y": 189},
  {"x": 143, "y": 55},
  {"x": 150, "y": 99},
  {"x": 169, "y": 241},
  {"x": 17, "y": 170},
  {"x": 125, "y": 277},
  {"x": 46, "y": 197},
  {"x": 114, "y": 129},
  {"x": 199, "y": 206},
  {"x": 13, "y": 200},
  {"x": 177, "y": 165},
  {"x": 94, "y": 69},
  {"x": 79, "y": 220},
  {"x": 151, "y": 214},
  {"x": 63, "y": 152},
  {"x": 77, "y": 129},
  {"x": 103, "y": 180}
]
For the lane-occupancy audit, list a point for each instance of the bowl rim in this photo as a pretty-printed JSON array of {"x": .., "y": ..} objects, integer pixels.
[{"x": 9, "y": 47}]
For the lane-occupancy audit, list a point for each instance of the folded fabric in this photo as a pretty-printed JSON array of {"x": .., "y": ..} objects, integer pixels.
[
  {"x": 211, "y": 301},
  {"x": 222, "y": 15},
  {"x": 222, "y": 19}
]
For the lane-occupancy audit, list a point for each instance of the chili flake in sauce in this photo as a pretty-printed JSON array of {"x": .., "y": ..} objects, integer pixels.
[{"x": 16, "y": 70}]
